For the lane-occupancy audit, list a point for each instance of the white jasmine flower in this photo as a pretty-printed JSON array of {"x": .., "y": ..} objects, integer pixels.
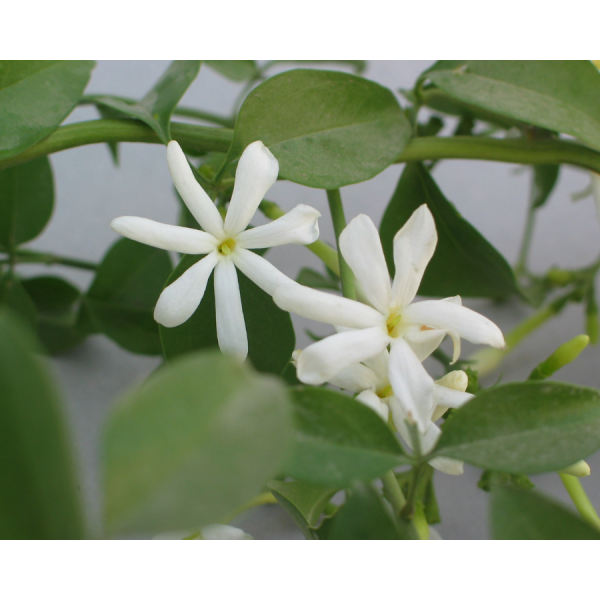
[
  {"x": 227, "y": 244},
  {"x": 370, "y": 380},
  {"x": 412, "y": 331}
]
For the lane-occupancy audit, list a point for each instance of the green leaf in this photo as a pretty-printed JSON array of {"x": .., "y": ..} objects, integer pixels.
[
  {"x": 358, "y": 66},
  {"x": 327, "y": 129},
  {"x": 518, "y": 514},
  {"x": 489, "y": 478},
  {"x": 198, "y": 440},
  {"x": 39, "y": 498},
  {"x": 56, "y": 301},
  {"x": 26, "y": 201},
  {"x": 236, "y": 70},
  {"x": 157, "y": 106},
  {"x": 35, "y": 97},
  {"x": 120, "y": 302},
  {"x": 528, "y": 427},
  {"x": 544, "y": 180},
  {"x": 364, "y": 517},
  {"x": 14, "y": 295},
  {"x": 464, "y": 262},
  {"x": 271, "y": 339},
  {"x": 314, "y": 279},
  {"x": 338, "y": 440},
  {"x": 303, "y": 502},
  {"x": 560, "y": 95}
]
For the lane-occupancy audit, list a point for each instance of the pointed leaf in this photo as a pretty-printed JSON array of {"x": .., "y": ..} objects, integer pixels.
[
  {"x": 528, "y": 427},
  {"x": 199, "y": 439},
  {"x": 464, "y": 262},
  {"x": 545, "y": 178},
  {"x": 271, "y": 338},
  {"x": 14, "y": 295},
  {"x": 327, "y": 129},
  {"x": 236, "y": 70},
  {"x": 35, "y": 97}
]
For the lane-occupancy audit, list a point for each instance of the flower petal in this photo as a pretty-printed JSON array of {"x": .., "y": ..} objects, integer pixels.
[
  {"x": 450, "y": 466},
  {"x": 355, "y": 378},
  {"x": 224, "y": 532},
  {"x": 323, "y": 360},
  {"x": 380, "y": 365},
  {"x": 256, "y": 172},
  {"x": 373, "y": 401},
  {"x": 196, "y": 199},
  {"x": 231, "y": 328},
  {"x": 166, "y": 237},
  {"x": 299, "y": 226},
  {"x": 423, "y": 342},
  {"x": 450, "y": 398},
  {"x": 413, "y": 387},
  {"x": 260, "y": 271},
  {"x": 361, "y": 247},
  {"x": 326, "y": 308},
  {"x": 179, "y": 301},
  {"x": 414, "y": 246},
  {"x": 468, "y": 324}
]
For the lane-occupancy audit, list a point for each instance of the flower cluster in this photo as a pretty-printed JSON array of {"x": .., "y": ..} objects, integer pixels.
[{"x": 356, "y": 358}]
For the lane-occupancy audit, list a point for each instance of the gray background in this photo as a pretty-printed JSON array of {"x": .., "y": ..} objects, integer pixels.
[{"x": 90, "y": 192}]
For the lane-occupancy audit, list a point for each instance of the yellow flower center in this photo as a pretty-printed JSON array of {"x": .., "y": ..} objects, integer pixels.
[
  {"x": 227, "y": 247},
  {"x": 386, "y": 392},
  {"x": 392, "y": 324}
]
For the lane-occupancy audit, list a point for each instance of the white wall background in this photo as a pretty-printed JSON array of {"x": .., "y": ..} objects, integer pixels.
[{"x": 90, "y": 192}]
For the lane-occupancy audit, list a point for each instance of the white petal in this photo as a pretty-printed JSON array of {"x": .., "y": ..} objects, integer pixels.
[
  {"x": 355, "y": 378},
  {"x": 299, "y": 226},
  {"x": 260, "y": 271},
  {"x": 414, "y": 246},
  {"x": 166, "y": 237},
  {"x": 373, "y": 401},
  {"x": 450, "y": 466},
  {"x": 380, "y": 364},
  {"x": 468, "y": 324},
  {"x": 413, "y": 387},
  {"x": 326, "y": 308},
  {"x": 224, "y": 532},
  {"x": 361, "y": 247},
  {"x": 323, "y": 360},
  {"x": 179, "y": 301},
  {"x": 231, "y": 328},
  {"x": 196, "y": 199},
  {"x": 256, "y": 172},
  {"x": 450, "y": 398},
  {"x": 423, "y": 342},
  {"x": 427, "y": 440}
]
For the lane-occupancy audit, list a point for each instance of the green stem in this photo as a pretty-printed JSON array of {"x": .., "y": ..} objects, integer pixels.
[
  {"x": 580, "y": 499},
  {"x": 521, "y": 265},
  {"x": 193, "y": 138},
  {"x": 339, "y": 223},
  {"x": 393, "y": 493},
  {"x": 519, "y": 150},
  {"x": 264, "y": 498},
  {"x": 30, "y": 256},
  {"x": 486, "y": 360},
  {"x": 408, "y": 510},
  {"x": 319, "y": 248}
]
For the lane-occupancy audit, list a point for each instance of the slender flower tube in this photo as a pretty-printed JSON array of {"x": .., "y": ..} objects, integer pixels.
[
  {"x": 370, "y": 381},
  {"x": 413, "y": 330},
  {"x": 226, "y": 244}
]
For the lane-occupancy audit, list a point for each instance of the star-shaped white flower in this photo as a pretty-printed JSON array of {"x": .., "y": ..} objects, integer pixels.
[
  {"x": 412, "y": 331},
  {"x": 370, "y": 381},
  {"x": 227, "y": 244}
]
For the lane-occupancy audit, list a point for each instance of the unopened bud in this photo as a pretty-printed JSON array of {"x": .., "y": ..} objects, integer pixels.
[
  {"x": 455, "y": 380},
  {"x": 561, "y": 357},
  {"x": 579, "y": 469}
]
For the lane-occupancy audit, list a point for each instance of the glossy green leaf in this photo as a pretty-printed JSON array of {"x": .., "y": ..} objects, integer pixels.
[
  {"x": 544, "y": 181},
  {"x": 464, "y": 262},
  {"x": 26, "y": 201},
  {"x": 14, "y": 296},
  {"x": 56, "y": 301},
  {"x": 120, "y": 302},
  {"x": 40, "y": 497},
  {"x": 364, "y": 517},
  {"x": 518, "y": 514},
  {"x": 199, "y": 439},
  {"x": 338, "y": 440},
  {"x": 560, "y": 95},
  {"x": 236, "y": 70},
  {"x": 271, "y": 338},
  {"x": 303, "y": 502},
  {"x": 327, "y": 129},
  {"x": 157, "y": 106},
  {"x": 358, "y": 66},
  {"x": 528, "y": 427},
  {"x": 35, "y": 97}
]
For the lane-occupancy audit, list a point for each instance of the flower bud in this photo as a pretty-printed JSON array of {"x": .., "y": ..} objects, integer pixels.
[
  {"x": 579, "y": 469},
  {"x": 562, "y": 356},
  {"x": 455, "y": 380}
]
